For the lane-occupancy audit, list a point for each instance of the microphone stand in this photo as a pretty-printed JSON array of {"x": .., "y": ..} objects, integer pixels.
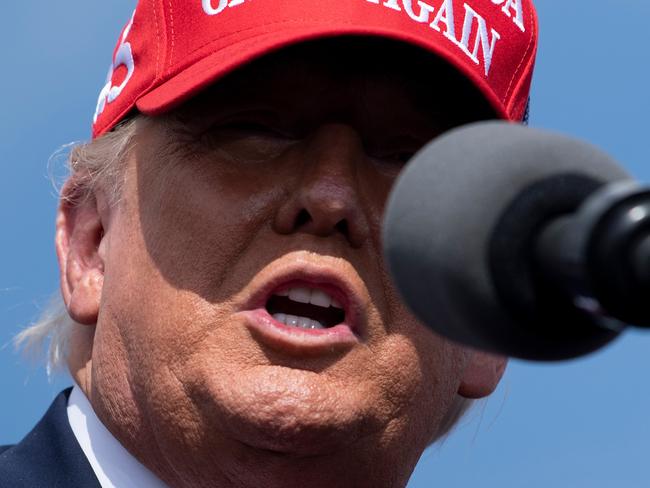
[{"x": 599, "y": 257}]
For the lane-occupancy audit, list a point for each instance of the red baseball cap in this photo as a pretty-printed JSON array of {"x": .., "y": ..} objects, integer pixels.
[{"x": 171, "y": 49}]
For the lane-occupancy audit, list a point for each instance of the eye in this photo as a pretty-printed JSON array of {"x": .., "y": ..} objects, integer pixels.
[
  {"x": 394, "y": 158},
  {"x": 253, "y": 127},
  {"x": 389, "y": 156},
  {"x": 397, "y": 149},
  {"x": 247, "y": 139}
]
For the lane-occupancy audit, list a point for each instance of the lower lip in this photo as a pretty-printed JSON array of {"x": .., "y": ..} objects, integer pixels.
[{"x": 297, "y": 340}]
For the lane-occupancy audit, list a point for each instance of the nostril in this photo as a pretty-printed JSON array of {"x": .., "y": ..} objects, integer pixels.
[
  {"x": 342, "y": 227},
  {"x": 302, "y": 218}
]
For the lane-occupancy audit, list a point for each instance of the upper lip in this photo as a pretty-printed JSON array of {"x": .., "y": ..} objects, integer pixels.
[{"x": 316, "y": 275}]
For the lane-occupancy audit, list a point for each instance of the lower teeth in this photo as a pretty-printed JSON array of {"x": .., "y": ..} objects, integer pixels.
[{"x": 296, "y": 321}]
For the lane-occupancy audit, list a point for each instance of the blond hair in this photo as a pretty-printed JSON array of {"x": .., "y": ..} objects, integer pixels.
[{"x": 99, "y": 162}]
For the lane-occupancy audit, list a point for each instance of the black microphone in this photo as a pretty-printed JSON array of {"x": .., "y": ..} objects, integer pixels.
[{"x": 520, "y": 242}]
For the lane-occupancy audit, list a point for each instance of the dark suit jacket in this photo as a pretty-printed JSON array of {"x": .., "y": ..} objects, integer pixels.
[{"x": 49, "y": 456}]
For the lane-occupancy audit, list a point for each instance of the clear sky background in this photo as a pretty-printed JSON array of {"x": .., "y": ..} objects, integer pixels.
[{"x": 579, "y": 424}]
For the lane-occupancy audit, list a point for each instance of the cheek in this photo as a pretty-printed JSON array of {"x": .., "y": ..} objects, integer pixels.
[
  {"x": 197, "y": 219},
  {"x": 170, "y": 251},
  {"x": 421, "y": 374},
  {"x": 373, "y": 189},
  {"x": 422, "y": 369}
]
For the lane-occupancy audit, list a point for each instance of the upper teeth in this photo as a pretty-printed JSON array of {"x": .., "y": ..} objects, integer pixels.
[{"x": 310, "y": 295}]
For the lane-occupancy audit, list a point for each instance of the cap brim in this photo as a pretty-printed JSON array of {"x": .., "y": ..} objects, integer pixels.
[{"x": 188, "y": 82}]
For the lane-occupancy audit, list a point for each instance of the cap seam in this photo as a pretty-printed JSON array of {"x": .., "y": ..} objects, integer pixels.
[
  {"x": 173, "y": 35},
  {"x": 529, "y": 66},
  {"x": 155, "y": 16},
  {"x": 522, "y": 79},
  {"x": 531, "y": 43}
]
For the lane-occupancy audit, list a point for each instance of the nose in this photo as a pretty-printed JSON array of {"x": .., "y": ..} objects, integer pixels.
[{"x": 324, "y": 198}]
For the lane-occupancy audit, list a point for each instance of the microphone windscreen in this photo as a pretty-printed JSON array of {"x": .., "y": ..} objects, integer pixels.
[{"x": 441, "y": 218}]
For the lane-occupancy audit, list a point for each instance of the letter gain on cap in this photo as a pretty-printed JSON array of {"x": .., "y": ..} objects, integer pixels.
[{"x": 477, "y": 40}]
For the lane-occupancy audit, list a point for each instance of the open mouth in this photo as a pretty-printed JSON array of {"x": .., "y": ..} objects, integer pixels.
[
  {"x": 307, "y": 305},
  {"x": 306, "y": 308}
]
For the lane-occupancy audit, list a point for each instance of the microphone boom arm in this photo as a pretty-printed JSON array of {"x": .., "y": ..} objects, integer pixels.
[{"x": 600, "y": 255}]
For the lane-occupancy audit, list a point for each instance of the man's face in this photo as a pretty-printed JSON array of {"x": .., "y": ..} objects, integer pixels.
[{"x": 274, "y": 181}]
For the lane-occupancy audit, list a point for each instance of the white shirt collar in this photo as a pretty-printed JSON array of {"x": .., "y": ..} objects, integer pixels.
[{"x": 113, "y": 465}]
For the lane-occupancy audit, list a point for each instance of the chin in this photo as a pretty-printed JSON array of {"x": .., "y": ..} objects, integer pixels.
[{"x": 290, "y": 412}]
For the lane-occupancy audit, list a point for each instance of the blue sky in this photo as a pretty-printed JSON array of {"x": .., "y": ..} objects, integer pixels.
[{"x": 578, "y": 424}]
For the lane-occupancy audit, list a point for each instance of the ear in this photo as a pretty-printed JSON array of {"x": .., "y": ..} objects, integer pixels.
[
  {"x": 482, "y": 374},
  {"x": 79, "y": 234}
]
